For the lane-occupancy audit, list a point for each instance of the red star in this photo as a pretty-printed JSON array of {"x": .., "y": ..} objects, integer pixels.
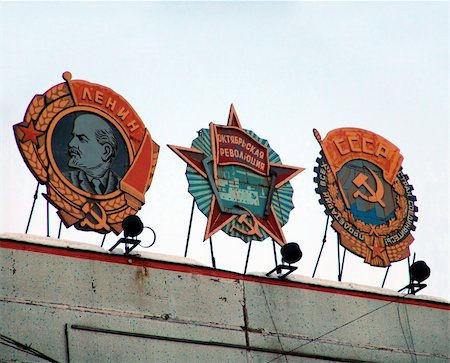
[
  {"x": 29, "y": 133},
  {"x": 377, "y": 251},
  {"x": 217, "y": 219}
]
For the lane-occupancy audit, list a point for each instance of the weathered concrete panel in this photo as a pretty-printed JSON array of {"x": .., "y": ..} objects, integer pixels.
[
  {"x": 134, "y": 289},
  {"x": 351, "y": 327},
  {"x": 138, "y": 309}
]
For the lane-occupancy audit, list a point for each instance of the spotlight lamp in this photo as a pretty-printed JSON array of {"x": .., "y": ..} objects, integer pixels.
[
  {"x": 418, "y": 273},
  {"x": 291, "y": 253},
  {"x": 132, "y": 227}
]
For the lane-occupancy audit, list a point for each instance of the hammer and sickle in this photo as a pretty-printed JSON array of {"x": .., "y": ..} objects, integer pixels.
[
  {"x": 252, "y": 227},
  {"x": 88, "y": 208},
  {"x": 375, "y": 196}
]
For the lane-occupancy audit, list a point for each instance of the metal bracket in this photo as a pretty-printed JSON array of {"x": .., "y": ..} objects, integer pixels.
[
  {"x": 127, "y": 241},
  {"x": 279, "y": 268},
  {"x": 412, "y": 288}
]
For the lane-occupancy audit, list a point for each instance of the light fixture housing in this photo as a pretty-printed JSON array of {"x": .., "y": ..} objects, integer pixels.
[
  {"x": 132, "y": 226},
  {"x": 419, "y": 271},
  {"x": 290, "y": 253}
]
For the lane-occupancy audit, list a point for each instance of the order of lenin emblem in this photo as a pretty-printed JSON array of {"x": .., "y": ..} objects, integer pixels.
[
  {"x": 363, "y": 189},
  {"x": 238, "y": 182},
  {"x": 92, "y": 151}
]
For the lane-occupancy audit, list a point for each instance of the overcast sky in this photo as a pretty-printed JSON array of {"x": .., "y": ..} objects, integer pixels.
[{"x": 287, "y": 67}]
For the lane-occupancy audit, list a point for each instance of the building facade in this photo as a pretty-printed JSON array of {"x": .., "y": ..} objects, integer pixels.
[{"x": 72, "y": 302}]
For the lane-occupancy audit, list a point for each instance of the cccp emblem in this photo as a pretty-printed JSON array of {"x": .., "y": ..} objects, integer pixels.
[
  {"x": 363, "y": 189},
  {"x": 92, "y": 151}
]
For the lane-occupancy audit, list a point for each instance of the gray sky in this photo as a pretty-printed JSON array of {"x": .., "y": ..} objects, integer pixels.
[{"x": 287, "y": 67}]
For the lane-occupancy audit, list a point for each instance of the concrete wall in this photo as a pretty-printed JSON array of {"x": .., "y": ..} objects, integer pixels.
[{"x": 79, "y": 303}]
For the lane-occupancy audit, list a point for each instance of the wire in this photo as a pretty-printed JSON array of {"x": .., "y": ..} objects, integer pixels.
[
  {"x": 337, "y": 328},
  {"x": 273, "y": 322},
  {"x": 9, "y": 342},
  {"x": 154, "y": 238},
  {"x": 410, "y": 348},
  {"x": 410, "y": 333},
  {"x": 14, "y": 347}
]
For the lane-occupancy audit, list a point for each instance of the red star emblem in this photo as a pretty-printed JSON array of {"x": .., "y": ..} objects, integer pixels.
[
  {"x": 217, "y": 219},
  {"x": 377, "y": 251},
  {"x": 29, "y": 133}
]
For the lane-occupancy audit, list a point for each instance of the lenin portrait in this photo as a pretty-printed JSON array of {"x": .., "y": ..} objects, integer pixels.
[{"x": 90, "y": 152}]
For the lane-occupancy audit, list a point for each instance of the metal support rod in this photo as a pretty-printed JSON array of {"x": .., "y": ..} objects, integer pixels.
[
  {"x": 66, "y": 334},
  {"x": 59, "y": 230},
  {"x": 48, "y": 219},
  {"x": 385, "y": 276},
  {"x": 248, "y": 256},
  {"x": 275, "y": 253},
  {"x": 103, "y": 240},
  {"x": 342, "y": 265},
  {"x": 409, "y": 274},
  {"x": 32, "y": 207},
  {"x": 339, "y": 258},
  {"x": 189, "y": 229},
  {"x": 213, "y": 260},
  {"x": 324, "y": 240}
]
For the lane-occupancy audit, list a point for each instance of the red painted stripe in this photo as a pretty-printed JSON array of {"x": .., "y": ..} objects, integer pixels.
[{"x": 207, "y": 271}]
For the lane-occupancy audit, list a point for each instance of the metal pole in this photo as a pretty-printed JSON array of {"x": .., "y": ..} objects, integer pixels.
[
  {"x": 385, "y": 276},
  {"x": 59, "y": 231},
  {"x": 248, "y": 256},
  {"x": 32, "y": 207},
  {"x": 342, "y": 266},
  {"x": 410, "y": 289},
  {"x": 213, "y": 260},
  {"x": 48, "y": 219},
  {"x": 103, "y": 240},
  {"x": 189, "y": 229},
  {"x": 275, "y": 253},
  {"x": 339, "y": 259},
  {"x": 321, "y": 249},
  {"x": 66, "y": 333}
]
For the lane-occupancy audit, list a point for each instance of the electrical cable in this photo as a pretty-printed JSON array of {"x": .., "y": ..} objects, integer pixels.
[
  {"x": 273, "y": 322},
  {"x": 14, "y": 347},
  {"x": 410, "y": 348},
  {"x": 411, "y": 335},
  {"x": 24, "y": 348},
  {"x": 339, "y": 327},
  {"x": 401, "y": 327}
]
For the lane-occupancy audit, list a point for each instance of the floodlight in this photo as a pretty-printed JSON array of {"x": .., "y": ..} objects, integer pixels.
[
  {"x": 290, "y": 253},
  {"x": 132, "y": 226},
  {"x": 419, "y": 271}
]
